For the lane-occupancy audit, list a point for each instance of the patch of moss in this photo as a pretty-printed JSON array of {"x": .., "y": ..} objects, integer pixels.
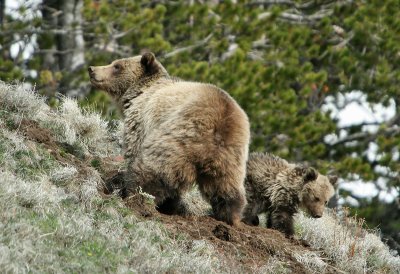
[
  {"x": 100, "y": 216},
  {"x": 69, "y": 202},
  {"x": 96, "y": 163},
  {"x": 62, "y": 152},
  {"x": 48, "y": 223},
  {"x": 75, "y": 149},
  {"x": 3, "y": 150},
  {"x": 32, "y": 163},
  {"x": 8, "y": 119}
]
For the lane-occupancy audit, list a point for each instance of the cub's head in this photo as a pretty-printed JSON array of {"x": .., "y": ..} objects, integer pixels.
[
  {"x": 317, "y": 191},
  {"x": 121, "y": 74}
]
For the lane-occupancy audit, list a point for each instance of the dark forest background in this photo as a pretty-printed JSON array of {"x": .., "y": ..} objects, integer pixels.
[{"x": 292, "y": 65}]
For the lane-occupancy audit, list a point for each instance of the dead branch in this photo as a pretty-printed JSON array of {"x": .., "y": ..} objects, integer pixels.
[
  {"x": 367, "y": 136},
  {"x": 189, "y": 48}
]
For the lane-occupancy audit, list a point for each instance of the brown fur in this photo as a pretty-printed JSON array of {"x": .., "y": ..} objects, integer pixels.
[
  {"x": 279, "y": 188},
  {"x": 178, "y": 133}
]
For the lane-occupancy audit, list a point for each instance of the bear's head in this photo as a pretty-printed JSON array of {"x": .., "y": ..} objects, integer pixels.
[
  {"x": 317, "y": 191},
  {"x": 122, "y": 74}
]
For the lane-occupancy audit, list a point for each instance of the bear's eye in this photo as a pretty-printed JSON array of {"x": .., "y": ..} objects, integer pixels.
[
  {"x": 117, "y": 67},
  {"x": 317, "y": 199},
  {"x": 326, "y": 202}
]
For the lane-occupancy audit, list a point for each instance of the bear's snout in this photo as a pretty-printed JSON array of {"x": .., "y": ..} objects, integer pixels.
[
  {"x": 317, "y": 216},
  {"x": 91, "y": 71}
]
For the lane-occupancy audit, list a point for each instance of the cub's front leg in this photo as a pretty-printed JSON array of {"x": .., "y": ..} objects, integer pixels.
[
  {"x": 250, "y": 213},
  {"x": 281, "y": 219}
]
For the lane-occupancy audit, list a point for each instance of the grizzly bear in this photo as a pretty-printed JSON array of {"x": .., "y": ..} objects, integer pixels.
[
  {"x": 279, "y": 188},
  {"x": 177, "y": 133}
]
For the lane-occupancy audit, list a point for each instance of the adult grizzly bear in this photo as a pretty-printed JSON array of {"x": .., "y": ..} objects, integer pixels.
[
  {"x": 279, "y": 188},
  {"x": 178, "y": 133}
]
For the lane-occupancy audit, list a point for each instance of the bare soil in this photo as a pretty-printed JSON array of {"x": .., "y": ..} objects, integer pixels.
[{"x": 61, "y": 152}]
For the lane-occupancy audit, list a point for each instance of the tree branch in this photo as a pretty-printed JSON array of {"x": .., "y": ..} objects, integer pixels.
[
  {"x": 361, "y": 125},
  {"x": 299, "y": 18},
  {"x": 367, "y": 136},
  {"x": 289, "y": 3},
  {"x": 189, "y": 48}
]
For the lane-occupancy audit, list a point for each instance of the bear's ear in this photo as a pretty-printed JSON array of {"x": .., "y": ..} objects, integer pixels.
[
  {"x": 149, "y": 63},
  {"x": 308, "y": 173},
  {"x": 333, "y": 179}
]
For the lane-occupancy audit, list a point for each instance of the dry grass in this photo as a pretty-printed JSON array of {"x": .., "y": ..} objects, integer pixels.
[
  {"x": 274, "y": 265},
  {"x": 347, "y": 244}
]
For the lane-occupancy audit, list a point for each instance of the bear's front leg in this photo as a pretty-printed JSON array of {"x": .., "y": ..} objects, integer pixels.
[
  {"x": 132, "y": 177},
  {"x": 174, "y": 206},
  {"x": 282, "y": 220},
  {"x": 141, "y": 176}
]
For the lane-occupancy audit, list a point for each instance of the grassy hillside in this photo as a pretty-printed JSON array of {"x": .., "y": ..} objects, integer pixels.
[{"x": 57, "y": 215}]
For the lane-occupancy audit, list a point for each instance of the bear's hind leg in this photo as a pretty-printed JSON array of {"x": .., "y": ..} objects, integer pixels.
[
  {"x": 227, "y": 209},
  {"x": 227, "y": 199},
  {"x": 175, "y": 175}
]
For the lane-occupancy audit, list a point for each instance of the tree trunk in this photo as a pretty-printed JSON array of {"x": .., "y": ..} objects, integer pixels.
[
  {"x": 2, "y": 8},
  {"x": 46, "y": 41},
  {"x": 71, "y": 44},
  {"x": 63, "y": 46}
]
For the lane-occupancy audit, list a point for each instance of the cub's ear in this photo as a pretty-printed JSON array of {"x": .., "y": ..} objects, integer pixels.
[
  {"x": 333, "y": 179},
  {"x": 308, "y": 173},
  {"x": 149, "y": 63}
]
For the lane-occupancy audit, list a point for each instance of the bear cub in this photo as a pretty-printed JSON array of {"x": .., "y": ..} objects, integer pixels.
[
  {"x": 279, "y": 188},
  {"x": 178, "y": 133}
]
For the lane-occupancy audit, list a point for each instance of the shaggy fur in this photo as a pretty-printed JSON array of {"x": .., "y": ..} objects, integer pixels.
[
  {"x": 279, "y": 188},
  {"x": 178, "y": 133}
]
